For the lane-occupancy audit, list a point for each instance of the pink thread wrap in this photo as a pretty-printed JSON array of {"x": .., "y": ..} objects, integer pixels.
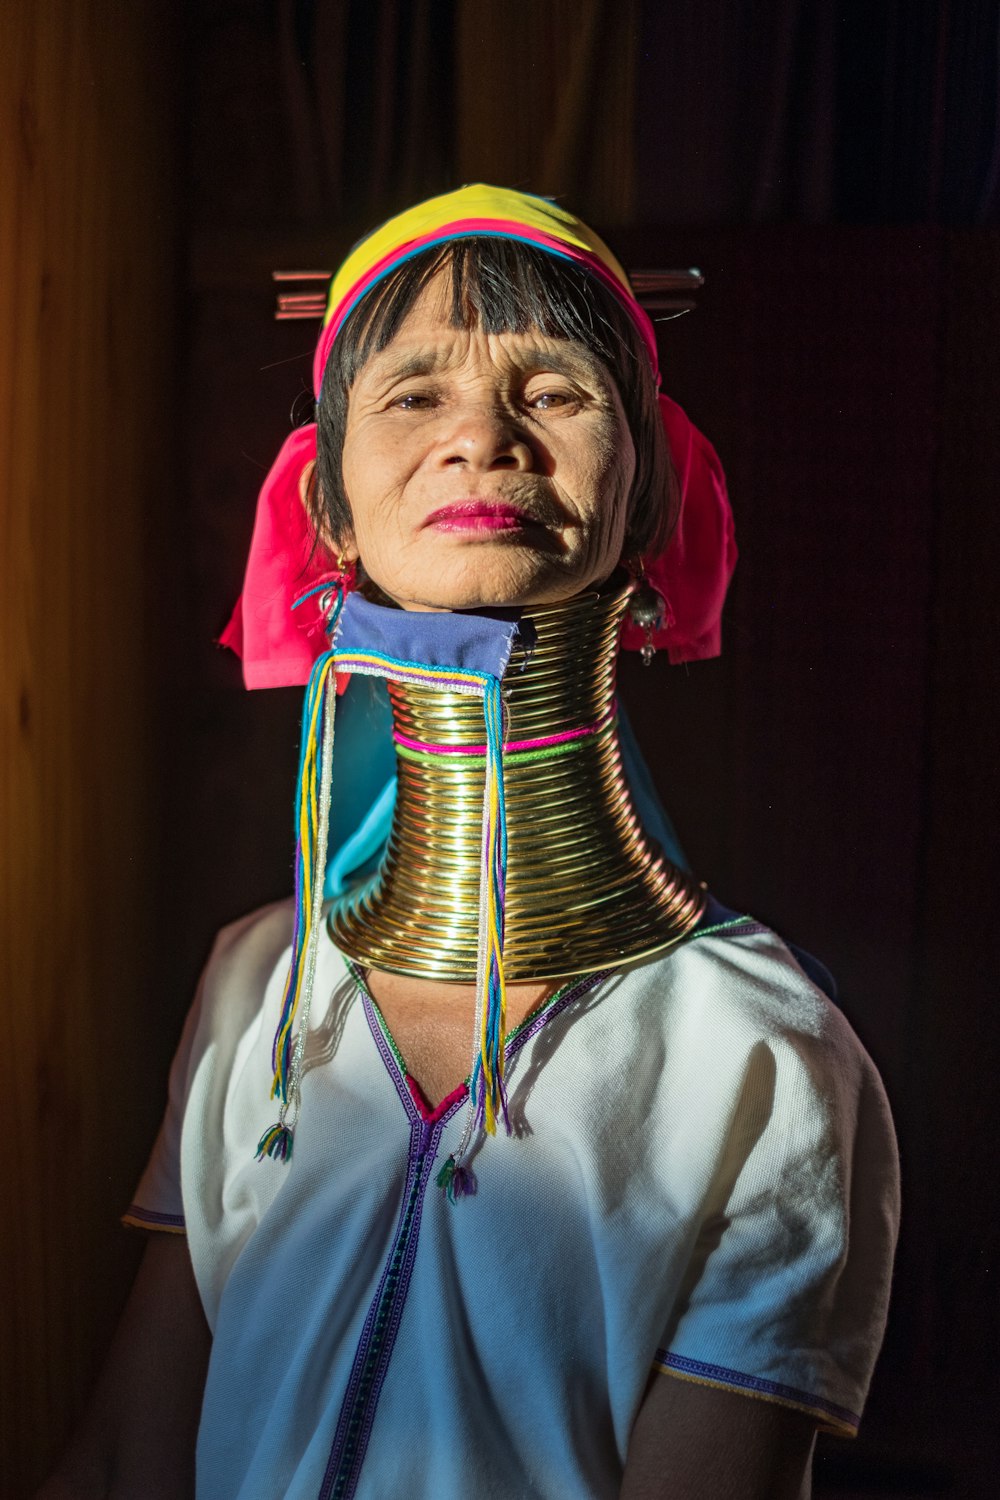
[{"x": 544, "y": 743}]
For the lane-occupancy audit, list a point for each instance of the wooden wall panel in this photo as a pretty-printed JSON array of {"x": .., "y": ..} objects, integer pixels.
[{"x": 87, "y": 259}]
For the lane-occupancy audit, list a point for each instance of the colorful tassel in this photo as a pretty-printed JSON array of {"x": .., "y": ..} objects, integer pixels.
[
  {"x": 487, "y": 1087},
  {"x": 312, "y": 802},
  {"x": 276, "y": 1142},
  {"x": 456, "y": 1181}
]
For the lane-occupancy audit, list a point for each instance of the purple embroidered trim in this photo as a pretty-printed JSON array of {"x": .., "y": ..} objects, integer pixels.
[
  {"x": 151, "y": 1216},
  {"x": 388, "y": 1057},
  {"x": 378, "y": 1336},
  {"x": 532, "y": 1026},
  {"x": 404, "y": 1083},
  {"x": 737, "y": 1379},
  {"x": 381, "y": 1325}
]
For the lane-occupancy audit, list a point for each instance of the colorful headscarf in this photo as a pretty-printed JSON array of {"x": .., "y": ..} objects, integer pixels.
[{"x": 277, "y": 626}]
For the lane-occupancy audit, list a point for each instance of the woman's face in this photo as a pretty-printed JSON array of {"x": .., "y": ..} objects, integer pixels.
[{"x": 484, "y": 469}]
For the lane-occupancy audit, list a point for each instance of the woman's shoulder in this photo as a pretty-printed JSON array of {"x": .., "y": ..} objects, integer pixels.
[
  {"x": 243, "y": 960},
  {"x": 738, "y": 1018},
  {"x": 259, "y": 936},
  {"x": 735, "y": 981}
]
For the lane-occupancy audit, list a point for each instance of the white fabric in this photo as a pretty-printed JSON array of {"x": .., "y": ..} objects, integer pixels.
[{"x": 681, "y": 1192}]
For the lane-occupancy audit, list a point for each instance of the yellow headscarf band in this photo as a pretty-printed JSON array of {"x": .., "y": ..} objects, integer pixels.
[{"x": 500, "y": 213}]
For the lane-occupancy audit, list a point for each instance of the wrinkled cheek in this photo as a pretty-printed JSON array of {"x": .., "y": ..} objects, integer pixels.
[
  {"x": 375, "y": 525},
  {"x": 611, "y": 511},
  {"x": 386, "y": 548}
]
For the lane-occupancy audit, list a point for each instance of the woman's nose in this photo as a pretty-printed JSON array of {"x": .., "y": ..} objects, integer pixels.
[{"x": 485, "y": 436}]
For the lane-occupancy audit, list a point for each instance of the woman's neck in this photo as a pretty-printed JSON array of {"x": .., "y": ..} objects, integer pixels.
[{"x": 585, "y": 890}]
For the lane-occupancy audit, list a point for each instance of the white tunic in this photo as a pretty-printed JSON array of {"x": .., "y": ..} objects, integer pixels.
[{"x": 702, "y": 1179}]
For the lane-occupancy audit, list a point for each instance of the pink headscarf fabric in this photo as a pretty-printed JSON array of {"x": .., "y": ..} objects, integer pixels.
[
  {"x": 693, "y": 571},
  {"x": 277, "y": 625}
]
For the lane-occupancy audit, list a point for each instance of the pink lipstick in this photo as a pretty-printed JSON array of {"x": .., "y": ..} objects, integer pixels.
[{"x": 479, "y": 515}]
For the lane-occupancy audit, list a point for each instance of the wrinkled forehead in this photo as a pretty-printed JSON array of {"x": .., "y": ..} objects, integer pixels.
[
  {"x": 446, "y": 318},
  {"x": 444, "y": 330},
  {"x": 523, "y": 307}
]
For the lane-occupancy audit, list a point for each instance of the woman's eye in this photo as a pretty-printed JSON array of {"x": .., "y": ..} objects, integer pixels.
[
  {"x": 550, "y": 400},
  {"x": 413, "y": 401}
]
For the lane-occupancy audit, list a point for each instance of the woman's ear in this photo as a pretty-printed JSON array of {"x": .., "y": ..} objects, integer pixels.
[{"x": 311, "y": 496}]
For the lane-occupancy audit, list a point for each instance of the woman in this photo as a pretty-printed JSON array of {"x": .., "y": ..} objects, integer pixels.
[{"x": 415, "y": 1283}]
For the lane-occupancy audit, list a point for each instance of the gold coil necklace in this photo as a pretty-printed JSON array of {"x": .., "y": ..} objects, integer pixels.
[{"x": 585, "y": 889}]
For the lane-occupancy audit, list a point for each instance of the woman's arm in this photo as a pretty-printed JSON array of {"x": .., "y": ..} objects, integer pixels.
[
  {"x": 137, "y": 1438},
  {"x": 691, "y": 1441}
]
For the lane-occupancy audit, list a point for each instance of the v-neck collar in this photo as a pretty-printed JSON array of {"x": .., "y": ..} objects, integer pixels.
[{"x": 411, "y": 1094}]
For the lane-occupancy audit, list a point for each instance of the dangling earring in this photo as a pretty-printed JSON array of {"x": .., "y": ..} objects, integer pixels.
[
  {"x": 647, "y": 608},
  {"x": 331, "y": 592},
  {"x": 343, "y": 581}
]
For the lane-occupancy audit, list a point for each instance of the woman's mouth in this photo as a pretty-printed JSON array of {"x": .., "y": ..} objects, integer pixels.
[{"x": 480, "y": 515}]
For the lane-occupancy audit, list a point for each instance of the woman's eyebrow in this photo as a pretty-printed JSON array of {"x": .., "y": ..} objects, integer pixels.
[
  {"x": 422, "y": 362},
  {"x": 572, "y": 362},
  {"x": 393, "y": 365}
]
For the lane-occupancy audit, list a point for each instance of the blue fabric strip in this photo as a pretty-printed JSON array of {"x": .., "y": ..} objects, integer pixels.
[
  {"x": 480, "y": 642},
  {"x": 378, "y": 1333}
]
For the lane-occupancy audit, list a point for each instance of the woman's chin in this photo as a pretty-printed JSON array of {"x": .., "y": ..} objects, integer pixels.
[
  {"x": 491, "y": 595},
  {"x": 511, "y": 581}
]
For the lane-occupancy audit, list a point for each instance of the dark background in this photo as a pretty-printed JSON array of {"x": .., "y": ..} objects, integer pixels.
[{"x": 833, "y": 171}]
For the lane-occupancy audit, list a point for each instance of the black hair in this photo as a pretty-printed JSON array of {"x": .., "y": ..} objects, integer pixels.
[{"x": 506, "y": 286}]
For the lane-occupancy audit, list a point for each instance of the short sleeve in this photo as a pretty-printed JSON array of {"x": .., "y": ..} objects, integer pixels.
[
  {"x": 225, "y": 1013},
  {"x": 787, "y": 1289},
  {"x": 157, "y": 1202}
]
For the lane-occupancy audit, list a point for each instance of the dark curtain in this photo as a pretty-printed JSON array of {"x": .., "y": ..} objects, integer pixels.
[
  {"x": 819, "y": 110},
  {"x": 635, "y": 111}
]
